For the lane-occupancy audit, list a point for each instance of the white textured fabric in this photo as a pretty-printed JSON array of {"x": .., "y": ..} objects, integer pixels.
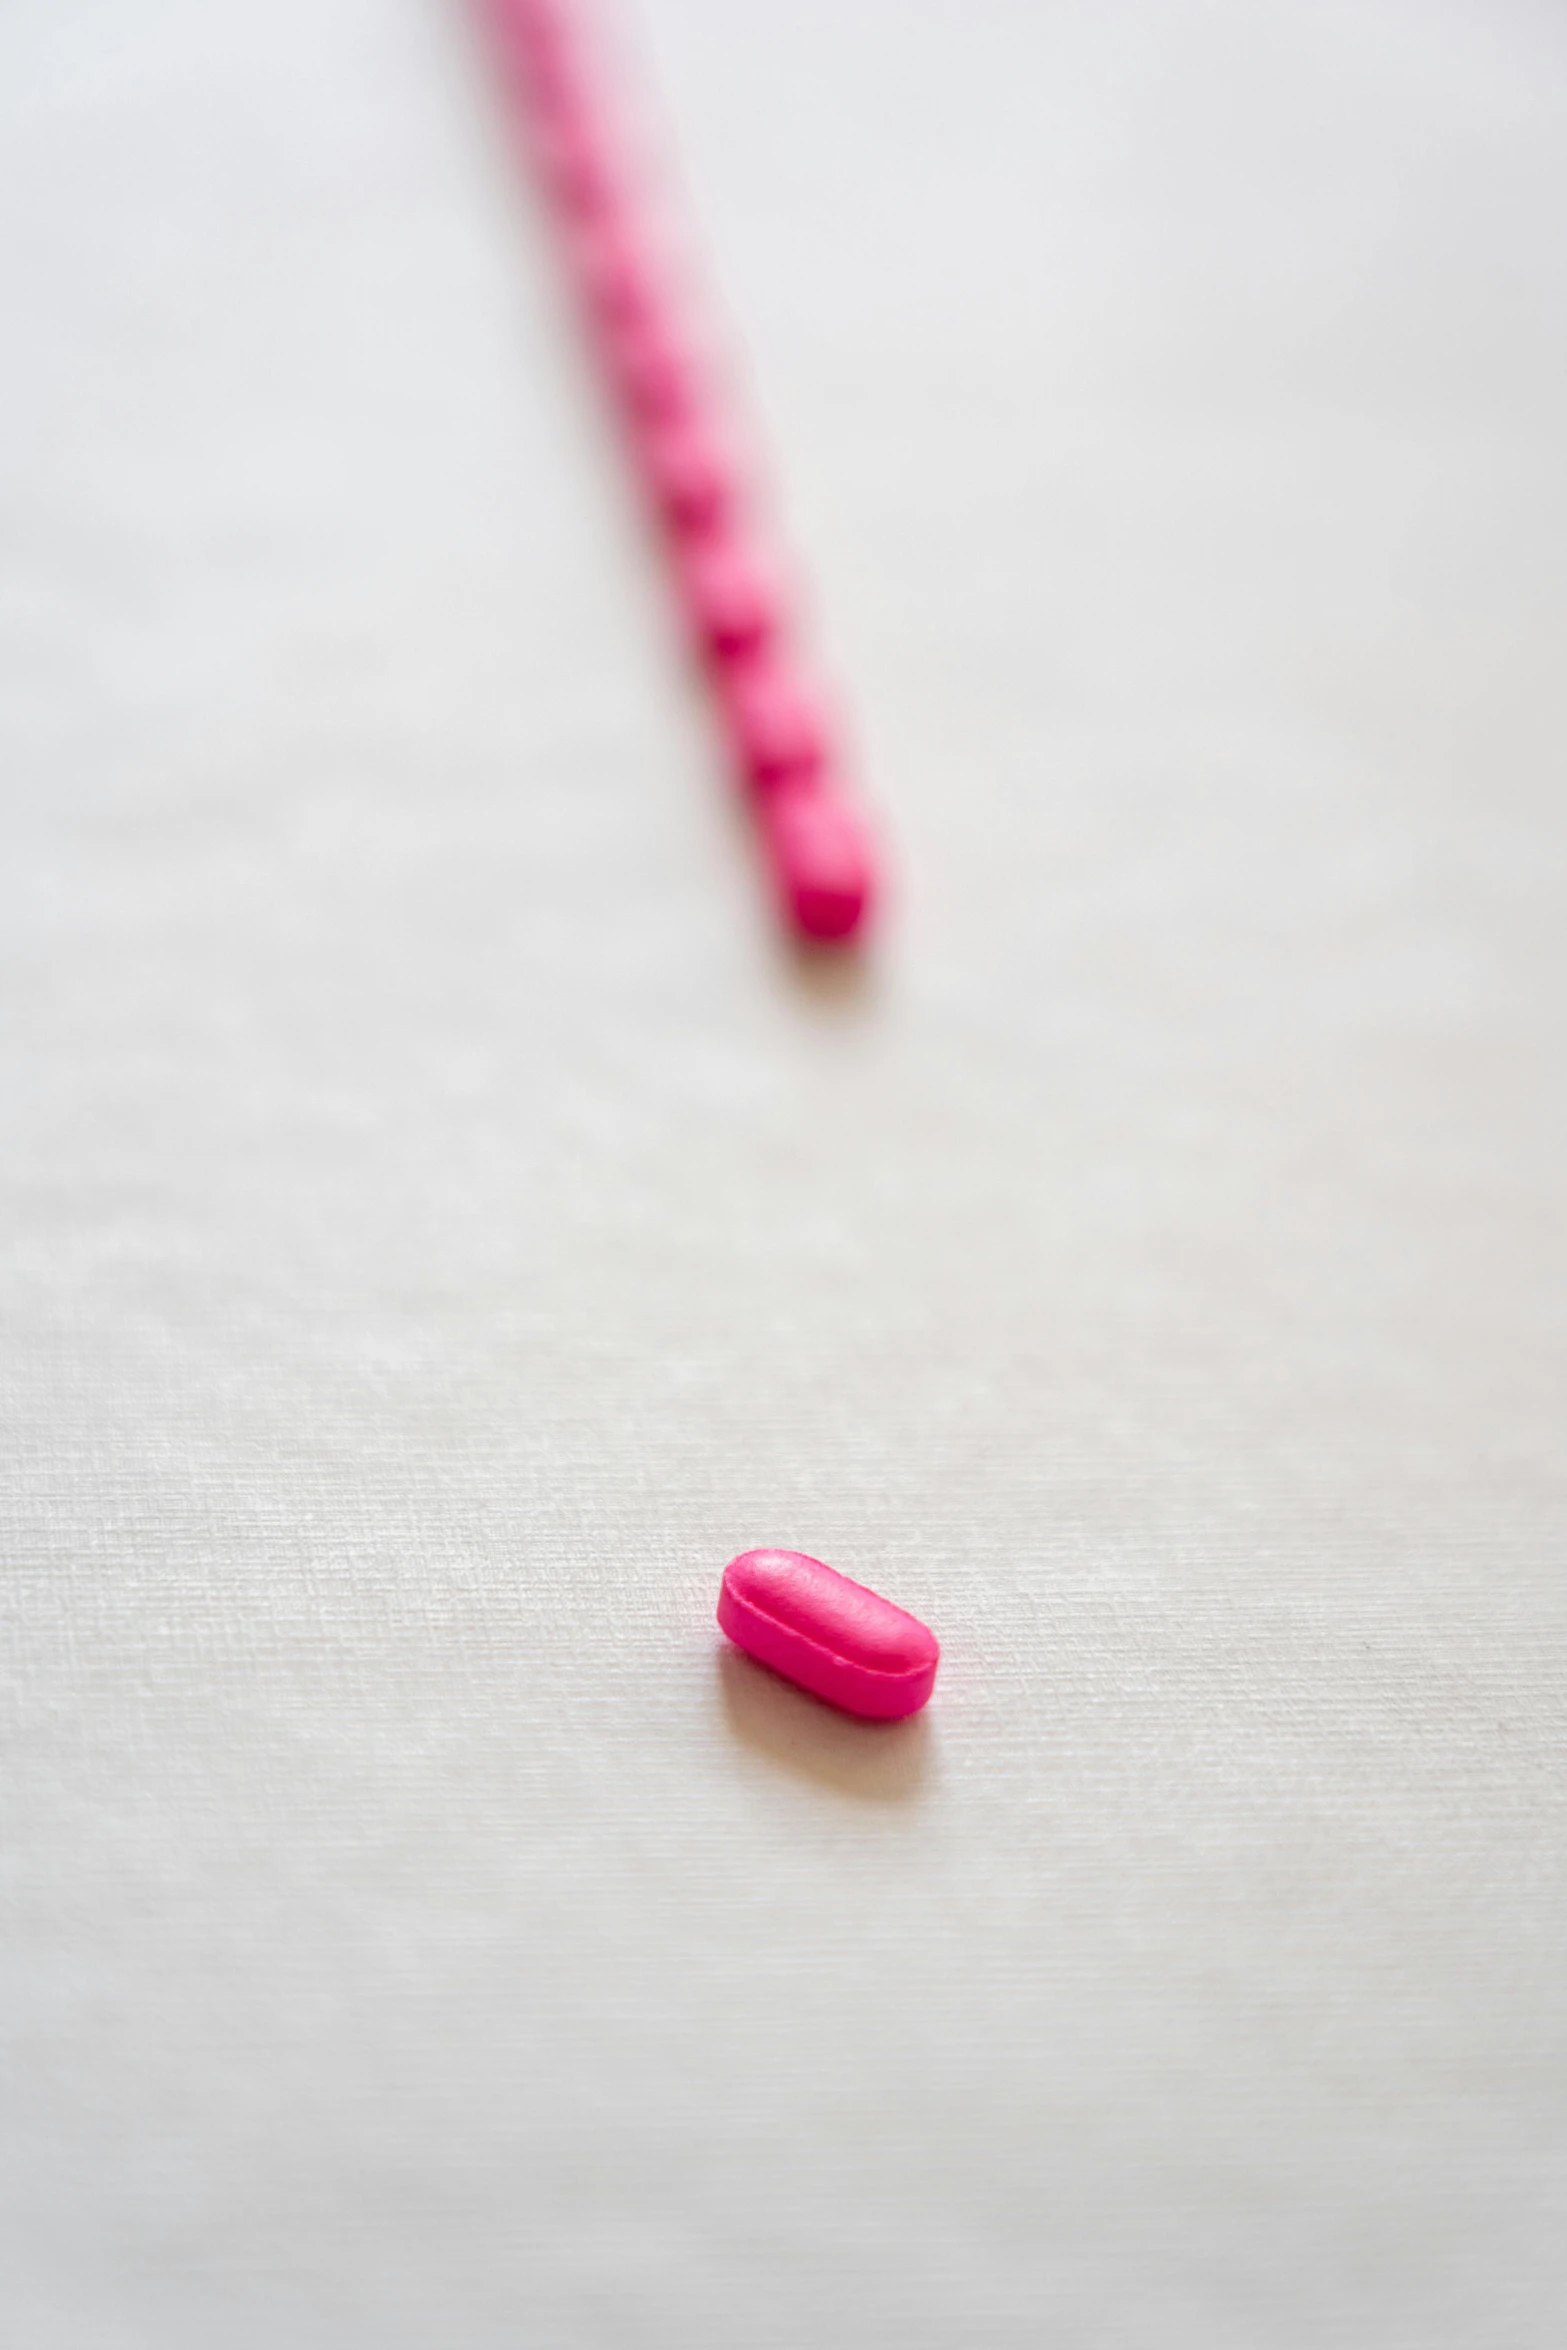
[{"x": 441, "y": 1226}]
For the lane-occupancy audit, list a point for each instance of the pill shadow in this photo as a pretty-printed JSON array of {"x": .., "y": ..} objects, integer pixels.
[
  {"x": 878, "y": 1762},
  {"x": 838, "y": 981}
]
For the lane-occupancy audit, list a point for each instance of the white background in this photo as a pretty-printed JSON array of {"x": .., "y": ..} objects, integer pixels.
[{"x": 442, "y": 1226}]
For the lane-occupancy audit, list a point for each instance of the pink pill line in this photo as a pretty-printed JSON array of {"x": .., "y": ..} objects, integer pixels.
[{"x": 815, "y": 841}]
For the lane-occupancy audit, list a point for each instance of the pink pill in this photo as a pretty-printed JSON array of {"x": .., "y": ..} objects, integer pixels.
[
  {"x": 687, "y": 474},
  {"x": 823, "y": 866},
  {"x": 613, "y": 278},
  {"x": 729, "y": 599},
  {"x": 573, "y": 164},
  {"x": 651, "y": 371},
  {"x": 536, "y": 24},
  {"x": 774, "y": 725},
  {"x": 835, "y": 1638},
  {"x": 527, "y": 35},
  {"x": 543, "y": 56}
]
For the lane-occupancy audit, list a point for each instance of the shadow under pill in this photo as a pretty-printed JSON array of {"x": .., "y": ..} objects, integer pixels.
[
  {"x": 837, "y": 980},
  {"x": 877, "y": 1762}
]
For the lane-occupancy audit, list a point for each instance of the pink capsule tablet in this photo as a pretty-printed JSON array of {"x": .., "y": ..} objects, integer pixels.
[
  {"x": 822, "y": 862},
  {"x": 614, "y": 275},
  {"x": 530, "y": 40},
  {"x": 687, "y": 474},
  {"x": 650, "y": 371},
  {"x": 574, "y": 165},
  {"x": 551, "y": 71},
  {"x": 835, "y": 1638},
  {"x": 729, "y": 599},
  {"x": 774, "y": 724}
]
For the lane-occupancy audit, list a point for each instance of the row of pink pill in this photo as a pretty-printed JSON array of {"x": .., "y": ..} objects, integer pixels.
[{"x": 814, "y": 838}]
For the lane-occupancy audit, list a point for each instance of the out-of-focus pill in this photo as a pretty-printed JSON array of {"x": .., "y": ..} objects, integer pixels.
[
  {"x": 651, "y": 371},
  {"x": 532, "y": 41},
  {"x": 835, "y": 1638},
  {"x": 537, "y": 26},
  {"x": 774, "y": 724},
  {"x": 614, "y": 275},
  {"x": 687, "y": 473},
  {"x": 823, "y": 865},
  {"x": 574, "y": 166},
  {"x": 730, "y": 601}
]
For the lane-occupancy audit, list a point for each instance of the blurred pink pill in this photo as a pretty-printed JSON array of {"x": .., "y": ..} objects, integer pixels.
[
  {"x": 822, "y": 862},
  {"x": 729, "y": 599},
  {"x": 529, "y": 35},
  {"x": 835, "y": 1638},
  {"x": 613, "y": 278},
  {"x": 774, "y": 725},
  {"x": 686, "y": 472},
  {"x": 573, "y": 164},
  {"x": 651, "y": 372},
  {"x": 550, "y": 68},
  {"x": 538, "y": 24}
]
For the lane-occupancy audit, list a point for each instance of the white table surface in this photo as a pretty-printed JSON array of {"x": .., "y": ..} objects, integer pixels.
[{"x": 440, "y": 1225}]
